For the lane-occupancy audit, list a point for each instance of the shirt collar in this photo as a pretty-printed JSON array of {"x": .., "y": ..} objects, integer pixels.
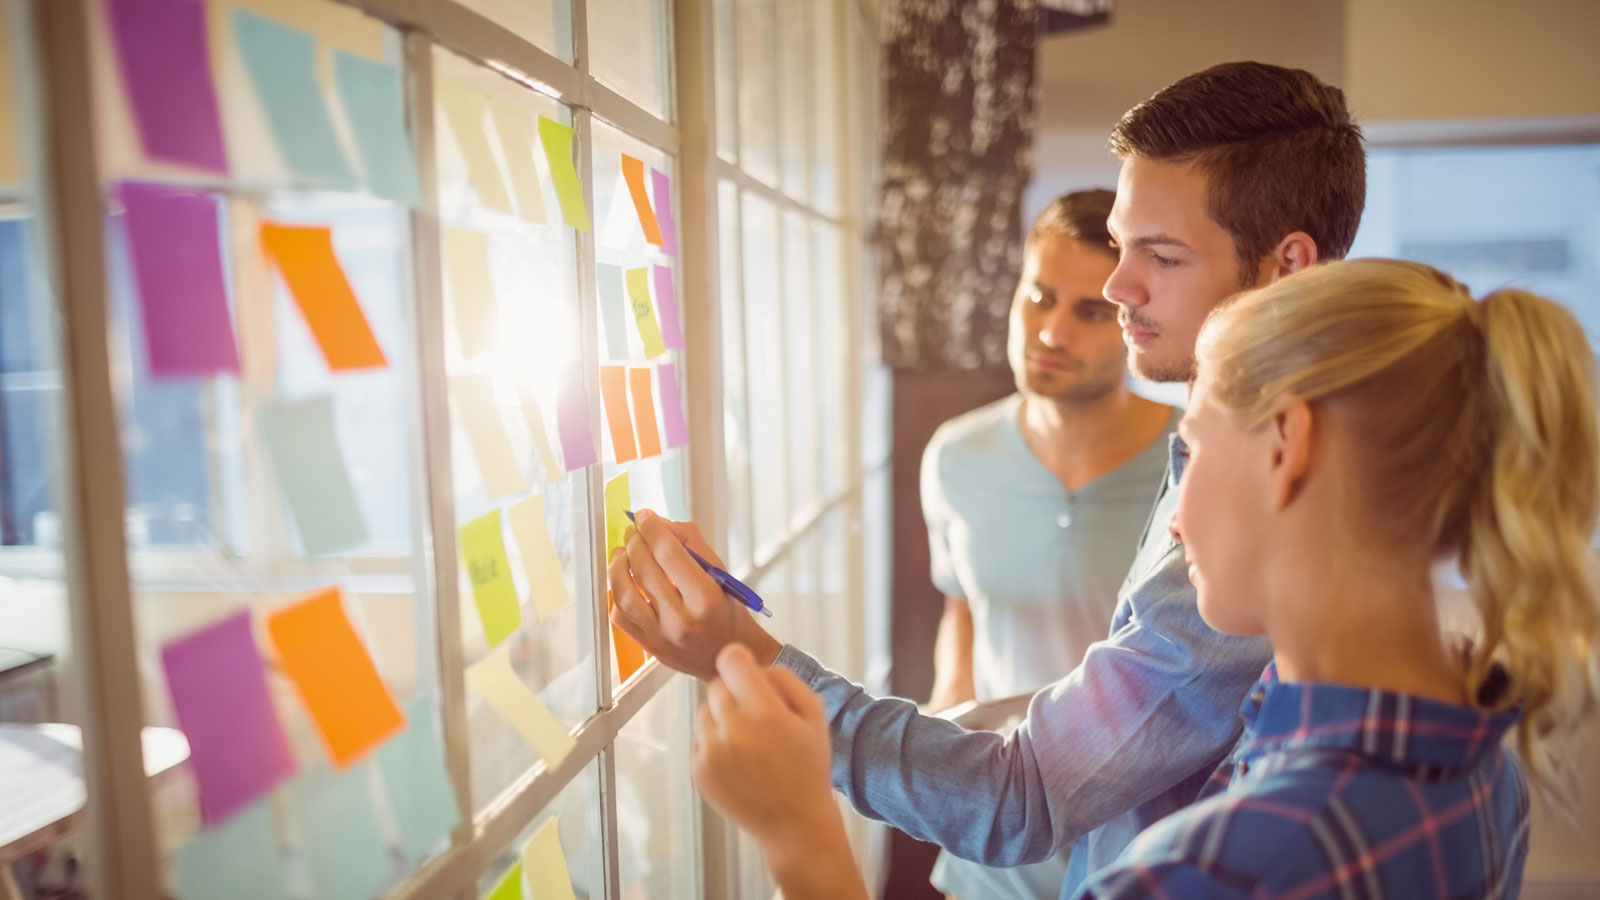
[
  {"x": 1388, "y": 727},
  {"x": 1177, "y": 458}
]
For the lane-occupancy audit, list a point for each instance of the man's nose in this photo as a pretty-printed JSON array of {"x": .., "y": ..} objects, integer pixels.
[
  {"x": 1055, "y": 331},
  {"x": 1122, "y": 288}
]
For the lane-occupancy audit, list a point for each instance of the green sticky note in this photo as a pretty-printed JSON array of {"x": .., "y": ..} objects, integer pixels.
[
  {"x": 373, "y": 102},
  {"x": 238, "y": 859},
  {"x": 557, "y": 141},
  {"x": 339, "y": 831},
  {"x": 484, "y": 549},
  {"x": 644, "y": 315},
  {"x": 617, "y": 503},
  {"x": 303, "y": 449},
  {"x": 418, "y": 784},
  {"x": 281, "y": 62},
  {"x": 509, "y": 888}
]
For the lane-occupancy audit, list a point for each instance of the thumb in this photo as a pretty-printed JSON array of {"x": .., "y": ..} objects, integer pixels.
[{"x": 797, "y": 695}]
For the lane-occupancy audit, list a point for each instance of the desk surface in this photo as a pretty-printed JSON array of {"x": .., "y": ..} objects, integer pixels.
[{"x": 41, "y": 779}]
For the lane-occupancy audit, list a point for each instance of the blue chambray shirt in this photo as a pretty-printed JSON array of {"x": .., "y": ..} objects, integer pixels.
[{"x": 1128, "y": 737}]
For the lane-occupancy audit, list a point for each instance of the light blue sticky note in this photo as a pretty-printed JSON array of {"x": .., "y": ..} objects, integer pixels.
[
  {"x": 370, "y": 92},
  {"x": 238, "y": 860},
  {"x": 672, "y": 487},
  {"x": 303, "y": 448},
  {"x": 339, "y": 833},
  {"x": 414, "y": 773},
  {"x": 614, "y": 310},
  {"x": 281, "y": 62}
]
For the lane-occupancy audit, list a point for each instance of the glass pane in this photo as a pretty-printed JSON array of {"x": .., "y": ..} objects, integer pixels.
[
  {"x": 795, "y": 22},
  {"x": 824, "y": 77},
  {"x": 656, "y": 843},
  {"x": 545, "y": 23},
  {"x": 727, "y": 81},
  {"x": 504, "y": 348},
  {"x": 800, "y": 314},
  {"x": 628, "y": 51},
  {"x": 834, "y": 404},
  {"x": 735, "y": 418},
  {"x": 758, "y": 90},
  {"x": 765, "y": 341},
  {"x": 579, "y": 833}
]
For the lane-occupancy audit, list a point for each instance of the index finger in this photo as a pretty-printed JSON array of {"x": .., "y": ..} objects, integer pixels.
[{"x": 670, "y": 554}]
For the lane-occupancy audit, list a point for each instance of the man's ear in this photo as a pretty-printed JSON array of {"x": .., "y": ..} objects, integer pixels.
[
  {"x": 1295, "y": 252},
  {"x": 1292, "y": 428}
]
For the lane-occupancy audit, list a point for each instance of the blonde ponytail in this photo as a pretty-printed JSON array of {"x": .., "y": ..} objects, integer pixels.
[{"x": 1482, "y": 418}]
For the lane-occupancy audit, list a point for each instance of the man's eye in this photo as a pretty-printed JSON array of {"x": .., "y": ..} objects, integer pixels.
[
  {"x": 1095, "y": 314},
  {"x": 1165, "y": 262},
  {"x": 1040, "y": 298}
]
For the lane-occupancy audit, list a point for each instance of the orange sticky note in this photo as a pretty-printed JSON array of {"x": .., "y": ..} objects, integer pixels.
[
  {"x": 644, "y": 413},
  {"x": 630, "y": 656},
  {"x": 304, "y": 256},
  {"x": 633, "y": 172},
  {"x": 614, "y": 393},
  {"x": 320, "y": 652}
]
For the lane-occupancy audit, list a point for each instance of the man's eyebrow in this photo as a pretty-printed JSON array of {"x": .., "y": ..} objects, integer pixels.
[{"x": 1156, "y": 240}]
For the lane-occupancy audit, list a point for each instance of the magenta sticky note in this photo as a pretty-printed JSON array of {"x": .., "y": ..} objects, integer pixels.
[
  {"x": 663, "y": 199},
  {"x": 667, "y": 309},
  {"x": 671, "y": 406},
  {"x": 219, "y": 692},
  {"x": 166, "y": 68},
  {"x": 177, "y": 262},
  {"x": 572, "y": 417}
]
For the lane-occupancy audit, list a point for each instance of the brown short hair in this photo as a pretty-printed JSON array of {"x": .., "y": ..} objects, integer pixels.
[
  {"x": 1279, "y": 147},
  {"x": 1080, "y": 215}
]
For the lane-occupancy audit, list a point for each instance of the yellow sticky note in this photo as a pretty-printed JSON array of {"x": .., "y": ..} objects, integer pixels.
[
  {"x": 494, "y": 680},
  {"x": 480, "y": 416},
  {"x": 466, "y": 260},
  {"x": 644, "y": 315},
  {"x": 533, "y": 414},
  {"x": 539, "y": 560},
  {"x": 464, "y": 109},
  {"x": 546, "y": 865},
  {"x": 516, "y": 139},
  {"x": 557, "y": 141},
  {"x": 617, "y": 503},
  {"x": 483, "y": 548},
  {"x": 509, "y": 888},
  {"x": 10, "y": 163}
]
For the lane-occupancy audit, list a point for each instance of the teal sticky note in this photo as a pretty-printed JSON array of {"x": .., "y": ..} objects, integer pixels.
[
  {"x": 615, "y": 313},
  {"x": 339, "y": 833},
  {"x": 239, "y": 860},
  {"x": 418, "y": 784},
  {"x": 370, "y": 92},
  {"x": 303, "y": 449},
  {"x": 281, "y": 62}
]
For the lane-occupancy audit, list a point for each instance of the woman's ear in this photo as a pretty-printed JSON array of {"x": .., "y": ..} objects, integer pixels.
[{"x": 1292, "y": 427}]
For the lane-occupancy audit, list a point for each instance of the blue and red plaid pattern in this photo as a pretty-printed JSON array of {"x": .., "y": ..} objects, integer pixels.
[{"x": 1342, "y": 793}]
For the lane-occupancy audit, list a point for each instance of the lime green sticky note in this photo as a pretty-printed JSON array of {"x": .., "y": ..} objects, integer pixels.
[
  {"x": 509, "y": 888},
  {"x": 617, "y": 504},
  {"x": 644, "y": 315},
  {"x": 546, "y": 865},
  {"x": 557, "y": 141},
  {"x": 484, "y": 550}
]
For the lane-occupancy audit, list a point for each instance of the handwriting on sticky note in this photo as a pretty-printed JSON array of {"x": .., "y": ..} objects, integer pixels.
[
  {"x": 494, "y": 680},
  {"x": 540, "y": 563},
  {"x": 664, "y": 217},
  {"x": 374, "y": 104},
  {"x": 479, "y": 414},
  {"x": 417, "y": 780},
  {"x": 238, "y": 859},
  {"x": 533, "y": 416},
  {"x": 464, "y": 109},
  {"x": 466, "y": 259},
  {"x": 617, "y": 505},
  {"x": 615, "y": 311},
  {"x": 633, "y": 174},
  {"x": 282, "y": 65},
  {"x": 166, "y": 69},
  {"x": 572, "y": 413},
  {"x": 218, "y": 687},
  {"x": 342, "y": 843},
  {"x": 644, "y": 315},
  {"x": 667, "y": 304},
  {"x": 614, "y": 392},
  {"x": 557, "y": 141},
  {"x": 304, "y": 256},
  {"x": 516, "y": 140},
  {"x": 546, "y": 865},
  {"x": 483, "y": 549},
  {"x": 177, "y": 262},
  {"x": 644, "y": 412},
  {"x": 319, "y": 650},
  {"x": 672, "y": 406},
  {"x": 303, "y": 448}
]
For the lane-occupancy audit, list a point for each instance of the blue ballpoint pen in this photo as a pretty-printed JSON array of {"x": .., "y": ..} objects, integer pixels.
[{"x": 730, "y": 585}]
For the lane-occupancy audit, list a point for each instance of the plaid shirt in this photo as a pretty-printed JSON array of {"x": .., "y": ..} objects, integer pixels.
[{"x": 1342, "y": 793}]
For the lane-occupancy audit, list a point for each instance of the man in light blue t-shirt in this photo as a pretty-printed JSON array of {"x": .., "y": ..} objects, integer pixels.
[{"x": 1035, "y": 502}]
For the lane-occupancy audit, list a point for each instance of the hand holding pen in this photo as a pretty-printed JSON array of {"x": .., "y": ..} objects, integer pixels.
[{"x": 730, "y": 585}]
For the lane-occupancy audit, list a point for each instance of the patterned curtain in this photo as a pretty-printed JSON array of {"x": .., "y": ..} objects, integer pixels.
[{"x": 958, "y": 151}]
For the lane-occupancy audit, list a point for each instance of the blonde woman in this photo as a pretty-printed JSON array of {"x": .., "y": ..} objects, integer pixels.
[{"x": 1350, "y": 426}]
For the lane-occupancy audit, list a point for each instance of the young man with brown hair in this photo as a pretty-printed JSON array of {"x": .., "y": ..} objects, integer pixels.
[{"x": 1231, "y": 178}]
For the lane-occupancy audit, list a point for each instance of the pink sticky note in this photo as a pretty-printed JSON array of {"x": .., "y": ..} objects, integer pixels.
[
  {"x": 663, "y": 198},
  {"x": 667, "y": 309},
  {"x": 572, "y": 417},
  {"x": 177, "y": 261},
  {"x": 219, "y": 693},
  {"x": 672, "y": 406},
  {"x": 166, "y": 67}
]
